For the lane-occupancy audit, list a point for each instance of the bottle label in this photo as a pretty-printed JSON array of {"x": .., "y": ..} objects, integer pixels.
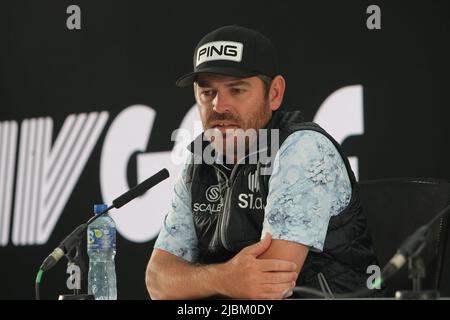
[{"x": 101, "y": 238}]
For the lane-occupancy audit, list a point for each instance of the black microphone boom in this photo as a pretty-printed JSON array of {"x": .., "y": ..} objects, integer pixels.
[
  {"x": 71, "y": 241},
  {"x": 140, "y": 188}
]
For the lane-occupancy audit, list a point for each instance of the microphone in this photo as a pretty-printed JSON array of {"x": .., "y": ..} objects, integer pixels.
[
  {"x": 411, "y": 247},
  {"x": 73, "y": 238},
  {"x": 140, "y": 188}
]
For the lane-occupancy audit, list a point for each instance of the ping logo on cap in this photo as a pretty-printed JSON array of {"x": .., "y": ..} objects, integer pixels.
[{"x": 219, "y": 50}]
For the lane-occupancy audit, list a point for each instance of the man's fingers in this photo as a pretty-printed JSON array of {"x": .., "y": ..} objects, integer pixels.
[
  {"x": 269, "y": 296},
  {"x": 276, "y": 265},
  {"x": 279, "y": 288},
  {"x": 274, "y": 292},
  {"x": 279, "y": 277},
  {"x": 259, "y": 247},
  {"x": 287, "y": 293}
]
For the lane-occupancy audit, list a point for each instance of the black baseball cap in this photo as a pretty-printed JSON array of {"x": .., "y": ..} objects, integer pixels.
[{"x": 233, "y": 51}]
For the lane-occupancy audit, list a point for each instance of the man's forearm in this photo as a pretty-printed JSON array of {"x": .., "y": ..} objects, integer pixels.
[
  {"x": 244, "y": 276},
  {"x": 177, "y": 279}
]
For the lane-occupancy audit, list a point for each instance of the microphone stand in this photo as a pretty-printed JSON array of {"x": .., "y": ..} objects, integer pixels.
[
  {"x": 416, "y": 270},
  {"x": 410, "y": 251},
  {"x": 77, "y": 260},
  {"x": 73, "y": 254},
  {"x": 73, "y": 240}
]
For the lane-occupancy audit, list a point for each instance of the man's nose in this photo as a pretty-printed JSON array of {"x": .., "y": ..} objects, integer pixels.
[{"x": 221, "y": 103}]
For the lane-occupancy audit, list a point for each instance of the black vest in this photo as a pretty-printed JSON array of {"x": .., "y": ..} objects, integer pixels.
[{"x": 228, "y": 213}]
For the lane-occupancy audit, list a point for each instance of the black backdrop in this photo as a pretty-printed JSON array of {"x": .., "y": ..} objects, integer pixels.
[{"x": 130, "y": 52}]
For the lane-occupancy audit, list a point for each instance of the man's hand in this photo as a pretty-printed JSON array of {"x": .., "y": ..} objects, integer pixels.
[
  {"x": 247, "y": 277},
  {"x": 260, "y": 271}
]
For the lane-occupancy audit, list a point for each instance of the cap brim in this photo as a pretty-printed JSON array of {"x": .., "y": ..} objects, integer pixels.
[{"x": 189, "y": 78}]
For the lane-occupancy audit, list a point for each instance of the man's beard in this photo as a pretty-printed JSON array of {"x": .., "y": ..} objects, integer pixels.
[{"x": 234, "y": 144}]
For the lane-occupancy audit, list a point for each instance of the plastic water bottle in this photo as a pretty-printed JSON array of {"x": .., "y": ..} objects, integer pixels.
[{"x": 101, "y": 248}]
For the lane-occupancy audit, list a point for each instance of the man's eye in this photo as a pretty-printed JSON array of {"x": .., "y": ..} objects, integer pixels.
[
  {"x": 237, "y": 90},
  {"x": 207, "y": 93}
]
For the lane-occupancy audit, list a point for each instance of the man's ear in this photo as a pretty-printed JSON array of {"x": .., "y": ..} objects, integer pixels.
[
  {"x": 194, "y": 87},
  {"x": 276, "y": 92}
]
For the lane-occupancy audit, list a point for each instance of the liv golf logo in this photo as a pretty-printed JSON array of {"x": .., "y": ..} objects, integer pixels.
[{"x": 46, "y": 173}]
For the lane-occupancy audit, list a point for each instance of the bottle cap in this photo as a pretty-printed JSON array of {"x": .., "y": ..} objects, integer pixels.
[{"x": 99, "y": 208}]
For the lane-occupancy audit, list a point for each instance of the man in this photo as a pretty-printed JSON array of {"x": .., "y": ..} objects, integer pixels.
[{"x": 234, "y": 231}]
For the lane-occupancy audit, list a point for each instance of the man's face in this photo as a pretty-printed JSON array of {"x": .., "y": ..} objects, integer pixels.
[{"x": 227, "y": 104}]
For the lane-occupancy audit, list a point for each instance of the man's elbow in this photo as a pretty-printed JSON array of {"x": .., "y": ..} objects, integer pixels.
[{"x": 151, "y": 282}]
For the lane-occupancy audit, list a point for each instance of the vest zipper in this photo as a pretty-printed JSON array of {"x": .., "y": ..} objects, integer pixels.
[
  {"x": 229, "y": 182},
  {"x": 221, "y": 234},
  {"x": 222, "y": 226}
]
